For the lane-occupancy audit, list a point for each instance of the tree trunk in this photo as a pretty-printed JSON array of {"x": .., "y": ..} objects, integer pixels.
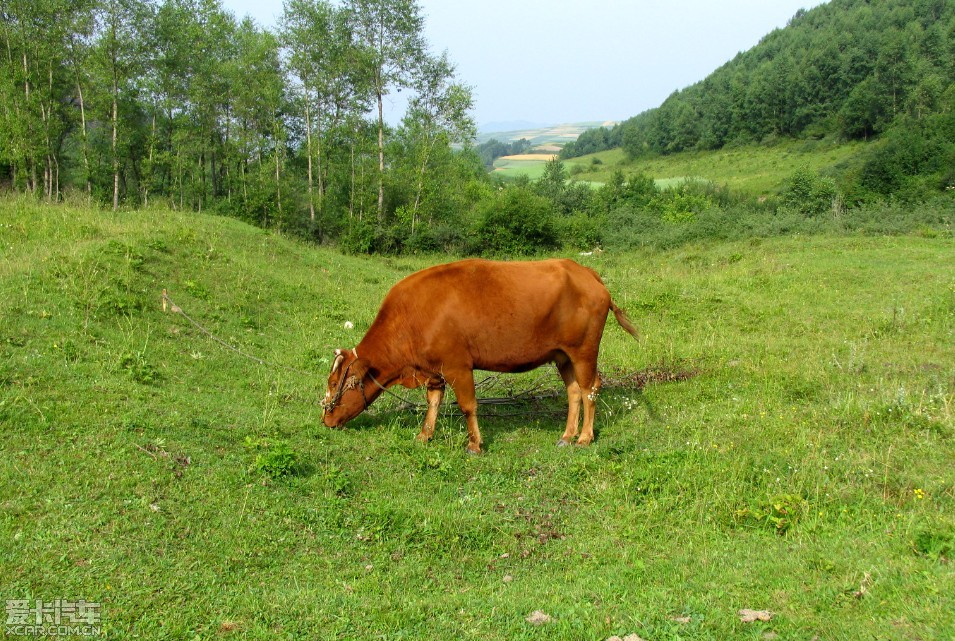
[
  {"x": 351, "y": 195},
  {"x": 308, "y": 146},
  {"x": 28, "y": 154},
  {"x": 278, "y": 181},
  {"x": 381, "y": 158},
  {"x": 115, "y": 154},
  {"x": 86, "y": 151},
  {"x": 424, "y": 165},
  {"x": 320, "y": 159}
]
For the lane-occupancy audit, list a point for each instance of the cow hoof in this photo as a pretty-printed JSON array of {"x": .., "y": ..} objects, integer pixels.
[
  {"x": 563, "y": 443},
  {"x": 473, "y": 451},
  {"x": 581, "y": 443},
  {"x": 424, "y": 438}
]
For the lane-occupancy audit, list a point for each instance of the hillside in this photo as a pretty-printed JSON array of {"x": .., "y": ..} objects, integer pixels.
[
  {"x": 780, "y": 438},
  {"x": 753, "y": 170},
  {"x": 845, "y": 70}
]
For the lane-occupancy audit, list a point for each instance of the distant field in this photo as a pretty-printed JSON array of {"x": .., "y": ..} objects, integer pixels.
[
  {"x": 530, "y": 165},
  {"x": 558, "y": 134},
  {"x": 529, "y": 157},
  {"x": 756, "y": 170}
]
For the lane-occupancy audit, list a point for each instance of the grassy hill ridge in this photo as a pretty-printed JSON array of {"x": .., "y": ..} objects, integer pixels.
[
  {"x": 753, "y": 170},
  {"x": 802, "y": 466}
]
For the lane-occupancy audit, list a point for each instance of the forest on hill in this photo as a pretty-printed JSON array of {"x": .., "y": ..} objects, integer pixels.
[
  {"x": 848, "y": 69},
  {"x": 175, "y": 103}
]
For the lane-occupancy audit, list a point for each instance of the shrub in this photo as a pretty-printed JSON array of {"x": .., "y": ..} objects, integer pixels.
[
  {"x": 359, "y": 237},
  {"x": 809, "y": 193},
  {"x": 579, "y": 231},
  {"x": 515, "y": 221},
  {"x": 140, "y": 369}
]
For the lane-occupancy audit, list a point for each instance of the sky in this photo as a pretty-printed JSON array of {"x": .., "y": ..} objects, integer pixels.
[{"x": 552, "y": 62}]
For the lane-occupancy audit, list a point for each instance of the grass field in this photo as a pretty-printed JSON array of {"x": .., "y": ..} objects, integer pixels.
[
  {"x": 530, "y": 165},
  {"x": 755, "y": 170},
  {"x": 780, "y": 438}
]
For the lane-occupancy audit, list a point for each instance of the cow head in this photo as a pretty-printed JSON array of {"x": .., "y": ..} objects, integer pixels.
[{"x": 346, "y": 396}]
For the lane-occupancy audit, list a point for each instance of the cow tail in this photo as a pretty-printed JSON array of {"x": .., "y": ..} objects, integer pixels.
[{"x": 624, "y": 320}]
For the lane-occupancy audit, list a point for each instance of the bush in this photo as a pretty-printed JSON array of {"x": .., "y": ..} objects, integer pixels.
[
  {"x": 915, "y": 158},
  {"x": 579, "y": 231},
  {"x": 809, "y": 193},
  {"x": 359, "y": 237},
  {"x": 515, "y": 221}
]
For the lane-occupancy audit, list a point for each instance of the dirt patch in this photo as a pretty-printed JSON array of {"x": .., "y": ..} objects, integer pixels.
[{"x": 661, "y": 373}]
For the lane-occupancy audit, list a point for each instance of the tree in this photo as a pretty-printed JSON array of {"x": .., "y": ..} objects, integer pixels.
[
  {"x": 809, "y": 193},
  {"x": 863, "y": 111},
  {"x": 121, "y": 60},
  {"x": 388, "y": 33},
  {"x": 80, "y": 41},
  {"x": 517, "y": 221},
  {"x": 260, "y": 102},
  {"x": 35, "y": 79},
  {"x": 317, "y": 37},
  {"x": 553, "y": 182},
  {"x": 440, "y": 112}
]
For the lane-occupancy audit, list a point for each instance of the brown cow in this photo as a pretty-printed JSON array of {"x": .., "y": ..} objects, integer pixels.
[{"x": 438, "y": 325}]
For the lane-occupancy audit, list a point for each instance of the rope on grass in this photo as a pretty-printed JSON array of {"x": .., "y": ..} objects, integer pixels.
[{"x": 168, "y": 305}]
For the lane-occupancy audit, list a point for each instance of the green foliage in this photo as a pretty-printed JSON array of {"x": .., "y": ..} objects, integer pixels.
[
  {"x": 139, "y": 368},
  {"x": 938, "y": 544},
  {"x": 809, "y": 193},
  {"x": 278, "y": 461},
  {"x": 138, "y": 103},
  {"x": 275, "y": 459},
  {"x": 916, "y": 156},
  {"x": 681, "y": 205},
  {"x": 360, "y": 237},
  {"x": 778, "y": 514},
  {"x": 514, "y": 222},
  {"x": 580, "y": 231}
]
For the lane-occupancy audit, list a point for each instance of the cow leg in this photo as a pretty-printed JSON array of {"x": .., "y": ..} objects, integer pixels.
[
  {"x": 574, "y": 396},
  {"x": 589, "y": 381},
  {"x": 463, "y": 384},
  {"x": 435, "y": 396}
]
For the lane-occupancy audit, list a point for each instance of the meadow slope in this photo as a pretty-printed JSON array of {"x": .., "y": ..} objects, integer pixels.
[
  {"x": 780, "y": 438},
  {"x": 754, "y": 170}
]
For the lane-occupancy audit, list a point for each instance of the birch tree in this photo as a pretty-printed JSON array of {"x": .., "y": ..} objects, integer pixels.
[
  {"x": 389, "y": 34},
  {"x": 121, "y": 59}
]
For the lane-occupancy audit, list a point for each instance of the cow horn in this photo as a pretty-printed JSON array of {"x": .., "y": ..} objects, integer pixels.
[{"x": 339, "y": 359}]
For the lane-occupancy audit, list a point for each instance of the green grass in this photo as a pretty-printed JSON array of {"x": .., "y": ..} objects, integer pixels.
[
  {"x": 511, "y": 169},
  {"x": 805, "y": 469},
  {"x": 756, "y": 170}
]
